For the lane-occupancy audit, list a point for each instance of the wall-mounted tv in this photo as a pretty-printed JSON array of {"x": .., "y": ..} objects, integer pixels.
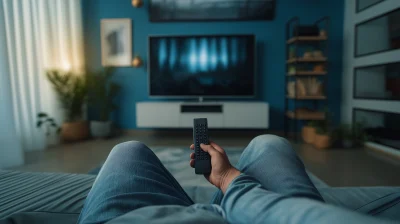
[{"x": 202, "y": 66}]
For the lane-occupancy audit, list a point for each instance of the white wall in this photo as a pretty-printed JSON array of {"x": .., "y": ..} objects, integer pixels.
[
  {"x": 351, "y": 18},
  {"x": 350, "y": 62}
]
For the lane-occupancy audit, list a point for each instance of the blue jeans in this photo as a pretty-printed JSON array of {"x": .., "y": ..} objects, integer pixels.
[{"x": 133, "y": 177}]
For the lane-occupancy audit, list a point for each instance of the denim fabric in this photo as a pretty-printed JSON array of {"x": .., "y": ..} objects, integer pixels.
[
  {"x": 274, "y": 163},
  {"x": 134, "y": 187}
]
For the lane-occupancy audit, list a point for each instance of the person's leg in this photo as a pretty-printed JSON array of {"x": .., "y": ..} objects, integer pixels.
[
  {"x": 131, "y": 178},
  {"x": 274, "y": 163}
]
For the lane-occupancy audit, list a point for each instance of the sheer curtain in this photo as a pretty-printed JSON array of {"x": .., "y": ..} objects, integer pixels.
[{"x": 39, "y": 35}]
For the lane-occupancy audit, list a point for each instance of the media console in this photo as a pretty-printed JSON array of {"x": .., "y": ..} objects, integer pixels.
[{"x": 220, "y": 115}]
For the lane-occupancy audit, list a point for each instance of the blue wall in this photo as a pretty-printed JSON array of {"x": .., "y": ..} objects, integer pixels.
[{"x": 271, "y": 49}]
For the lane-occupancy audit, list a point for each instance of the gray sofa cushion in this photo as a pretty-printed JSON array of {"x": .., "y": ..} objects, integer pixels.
[{"x": 42, "y": 192}]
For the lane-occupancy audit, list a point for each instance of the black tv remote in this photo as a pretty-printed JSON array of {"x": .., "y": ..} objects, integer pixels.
[{"x": 202, "y": 163}]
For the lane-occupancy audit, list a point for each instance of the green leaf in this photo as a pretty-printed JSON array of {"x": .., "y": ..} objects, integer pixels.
[
  {"x": 39, "y": 123},
  {"x": 51, "y": 120},
  {"x": 58, "y": 130},
  {"x": 41, "y": 115},
  {"x": 53, "y": 124}
]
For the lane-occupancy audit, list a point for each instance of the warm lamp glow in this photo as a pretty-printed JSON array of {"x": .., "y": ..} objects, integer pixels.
[
  {"x": 66, "y": 67},
  {"x": 137, "y": 62},
  {"x": 137, "y": 3}
]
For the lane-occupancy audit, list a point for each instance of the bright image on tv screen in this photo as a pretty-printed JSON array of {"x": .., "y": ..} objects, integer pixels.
[{"x": 202, "y": 66}]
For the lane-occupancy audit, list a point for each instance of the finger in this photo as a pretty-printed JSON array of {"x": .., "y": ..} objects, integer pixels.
[
  {"x": 192, "y": 146},
  {"x": 209, "y": 149},
  {"x": 192, "y": 155},
  {"x": 217, "y": 147},
  {"x": 191, "y": 163}
]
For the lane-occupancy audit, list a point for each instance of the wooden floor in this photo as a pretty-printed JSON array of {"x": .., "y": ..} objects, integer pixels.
[{"x": 337, "y": 167}]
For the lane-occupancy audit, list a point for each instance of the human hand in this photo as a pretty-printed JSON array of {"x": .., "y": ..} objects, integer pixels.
[{"x": 222, "y": 172}]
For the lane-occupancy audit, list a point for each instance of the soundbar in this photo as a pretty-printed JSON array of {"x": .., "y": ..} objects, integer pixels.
[{"x": 201, "y": 109}]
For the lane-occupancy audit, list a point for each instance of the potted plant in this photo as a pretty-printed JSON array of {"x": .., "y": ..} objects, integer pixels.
[
  {"x": 322, "y": 138},
  {"x": 292, "y": 52},
  {"x": 50, "y": 126},
  {"x": 323, "y": 133},
  {"x": 72, "y": 93},
  {"x": 308, "y": 132},
  {"x": 102, "y": 93},
  {"x": 345, "y": 135},
  {"x": 351, "y": 135}
]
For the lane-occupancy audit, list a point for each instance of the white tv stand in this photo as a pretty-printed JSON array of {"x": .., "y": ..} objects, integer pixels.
[{"x": 224, "y": 115}]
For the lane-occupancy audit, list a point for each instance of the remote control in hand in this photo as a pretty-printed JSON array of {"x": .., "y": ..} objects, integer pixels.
[{"x": 202, "y": 164}]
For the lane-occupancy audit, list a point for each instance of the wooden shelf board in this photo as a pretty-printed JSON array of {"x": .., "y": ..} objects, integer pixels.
[
  {"x": 307, "y": 97},
  {"x": 306, "y": 38},
  {"x": 299, "y": 73},
  {"x": 293, "y": 60},
  {"x": 317, "y": 116}
]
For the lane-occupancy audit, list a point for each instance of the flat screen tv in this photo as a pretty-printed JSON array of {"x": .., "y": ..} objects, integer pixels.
[{"x": 202, "y": 66}]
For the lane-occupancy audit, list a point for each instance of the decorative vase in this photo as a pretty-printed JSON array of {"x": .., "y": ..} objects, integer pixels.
[
  {"x": 318, "y": 54},
  {"x": 100, "y": 129},
  {"x": 322, "y": 141},
  {"x": 308, "y": 134},
  {"x": 319, "y": 68},
  {"x": 74, "y": 131},
  {"x": 307, "y": 55}
]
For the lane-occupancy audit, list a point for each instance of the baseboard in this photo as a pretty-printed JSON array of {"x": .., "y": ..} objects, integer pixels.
[
  {"x": 387, "y": 151},
  {"x": 188, "y": 132}
]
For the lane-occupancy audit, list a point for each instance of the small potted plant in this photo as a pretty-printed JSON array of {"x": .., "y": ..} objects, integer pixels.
[
  {"x": 322, "y": 138},
  {"x": 345, "y": 135},
  {"x": 323, "y": 133},
  {"x": 102, "y": 93},
  {"x": 308, "y": 132},
  {"x": 52, "y": 130},
  {"x": 71, "y": 90},
  {"x": 352, "y": 135},
  {"x": 292, "y": 52}
]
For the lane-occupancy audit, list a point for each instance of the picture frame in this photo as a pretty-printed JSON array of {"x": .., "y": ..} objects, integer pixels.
[{"x": 116, "y": 42}]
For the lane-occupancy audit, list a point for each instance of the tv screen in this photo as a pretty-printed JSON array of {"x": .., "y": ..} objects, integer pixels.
[{"x": 196, "y": 66}]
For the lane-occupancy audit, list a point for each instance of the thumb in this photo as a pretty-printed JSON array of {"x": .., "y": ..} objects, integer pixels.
[{"x": 209, "y": 149}]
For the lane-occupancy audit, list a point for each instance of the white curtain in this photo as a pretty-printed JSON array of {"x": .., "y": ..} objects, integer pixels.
[{"x": 39, "y": 35}]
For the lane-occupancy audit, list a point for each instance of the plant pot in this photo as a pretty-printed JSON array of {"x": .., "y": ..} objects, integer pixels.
[
  {"x": 53, "y": 139},
  {"x": 100, "y": 129},
  {"x": 347, "y": 143},
  {"x": 322, "y": 141},
  {"x": 308, "y": 134},
  {"x": 74, "y": 131}
]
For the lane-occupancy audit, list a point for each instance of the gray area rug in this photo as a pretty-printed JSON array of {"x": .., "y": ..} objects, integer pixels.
[{"x": 176, "y": 160}]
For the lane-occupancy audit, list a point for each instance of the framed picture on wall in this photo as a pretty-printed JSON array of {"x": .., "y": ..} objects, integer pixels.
[
  {"x": 116, "y": 42},
  {"x": 211, "y": 10}
]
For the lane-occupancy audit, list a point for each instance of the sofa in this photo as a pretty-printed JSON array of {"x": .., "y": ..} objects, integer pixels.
[{"x": 28, "y": 197}]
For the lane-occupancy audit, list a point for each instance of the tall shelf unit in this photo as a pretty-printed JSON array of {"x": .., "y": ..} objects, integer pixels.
[{"x": 295, "y": 43}]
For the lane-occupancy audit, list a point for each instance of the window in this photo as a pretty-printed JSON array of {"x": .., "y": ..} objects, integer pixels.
[
  {"x": 382, "y": 127},
  {"x": 378, "y": 34},
  {"x": 364, "y": 4},
  {"x": 377, "y": 82}
]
